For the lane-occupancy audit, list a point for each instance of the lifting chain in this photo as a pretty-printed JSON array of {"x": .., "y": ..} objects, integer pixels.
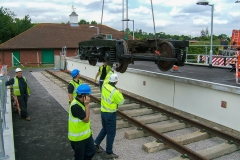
[{"x": 154, "y": 27}]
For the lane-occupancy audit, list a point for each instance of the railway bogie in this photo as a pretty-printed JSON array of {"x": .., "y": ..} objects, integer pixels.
[{"x": 164, "y": 53}]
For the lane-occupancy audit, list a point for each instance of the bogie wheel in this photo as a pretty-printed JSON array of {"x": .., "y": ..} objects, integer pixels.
[
  {"x": 92, "y": 62},
  {"x": 166, "y": 50},
  {"x": 123, "y": 65}
]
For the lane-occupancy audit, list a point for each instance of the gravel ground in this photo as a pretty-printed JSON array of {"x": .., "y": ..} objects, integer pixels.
[{"x": 126, "y": 149}]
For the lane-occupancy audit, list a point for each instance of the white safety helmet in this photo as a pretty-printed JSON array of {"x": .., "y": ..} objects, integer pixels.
[
  {"x": 18, "y": 70},
  {"x": 113, "y": 78}
]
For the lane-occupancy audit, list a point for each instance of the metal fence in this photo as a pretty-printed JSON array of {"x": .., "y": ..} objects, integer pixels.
[
  {"x": 3, "y": 102},
  {"x": 222, "y": 55}
]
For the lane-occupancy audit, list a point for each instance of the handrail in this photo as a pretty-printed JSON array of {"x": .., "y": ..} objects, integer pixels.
[
  {"x": 216, "y": 45},
  {"x": 3, "y": 101}
]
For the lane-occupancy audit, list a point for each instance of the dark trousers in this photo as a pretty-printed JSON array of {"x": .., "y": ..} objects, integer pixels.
[
  {"x": 100, "y": 85},
  {"x": 84, "y": 150},
  {"x": 109, "y": 129},
  {"x": 22, "y": 100}
]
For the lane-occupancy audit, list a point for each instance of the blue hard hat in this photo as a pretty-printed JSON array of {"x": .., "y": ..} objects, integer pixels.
[
  {"x": 83, "y": 89},
  {"x": 75, "y": 72}
]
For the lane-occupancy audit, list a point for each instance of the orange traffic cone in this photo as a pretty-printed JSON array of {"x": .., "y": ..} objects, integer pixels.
[{"x": 175, "y": 69}]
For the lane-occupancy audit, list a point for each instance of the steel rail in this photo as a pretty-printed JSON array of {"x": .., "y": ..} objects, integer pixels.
[
  {"x": 166, "y": 140},
  {"x": 171, "y": 143},
  {"x": 93, "y": 98},
  {"x": 201, "y": 126}
]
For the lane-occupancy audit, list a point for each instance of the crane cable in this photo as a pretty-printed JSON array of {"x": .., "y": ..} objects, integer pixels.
[
  {"x": 154, "y": 28},
  {"x": 153, "y": 23},
  {"x": 102, "y": 16}
]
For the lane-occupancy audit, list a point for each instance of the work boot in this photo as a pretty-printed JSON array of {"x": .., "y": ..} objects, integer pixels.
[
  {"x": 110, "y": 156},
  {"x": 27, "y": 119},
  {"x": 98, "y": 149}
]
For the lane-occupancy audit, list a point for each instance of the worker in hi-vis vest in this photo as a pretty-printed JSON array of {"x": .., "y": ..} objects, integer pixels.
[
  {"x": 79, "y": 126},
  {"x": 111, "y": 97},
  {"x": 106, "y": 80},
  {"x": 22, "y": 91},
  {"x": 73, "y": 84},
  {"x": 102, "y": 71}
]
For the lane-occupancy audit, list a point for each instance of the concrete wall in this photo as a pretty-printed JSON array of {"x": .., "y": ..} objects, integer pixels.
[{"x": 196, "y": 97}]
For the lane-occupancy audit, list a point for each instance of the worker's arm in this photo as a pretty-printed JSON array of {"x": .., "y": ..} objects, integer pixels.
[
  {"x": 10, "y": 82},
  {"x": 70, "y": 92},
  {"x": 87, "y": 111},
  {"x": 118, "y": 97},
  {"x": 96, "y": 76},
  {"x": 70, "y": 97}
]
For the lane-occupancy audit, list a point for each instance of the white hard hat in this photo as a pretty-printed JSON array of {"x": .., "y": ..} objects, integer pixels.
[
  {"x": 113, "y": 78},
  {"x": 18, "y": 70}
]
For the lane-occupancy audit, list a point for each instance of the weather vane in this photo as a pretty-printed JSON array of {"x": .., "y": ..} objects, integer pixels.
[{"x": 73, "y": 8}]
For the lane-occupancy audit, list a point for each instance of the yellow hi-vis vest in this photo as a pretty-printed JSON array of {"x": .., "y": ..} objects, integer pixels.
[
  {"x": 108, "y": 69},
  {"x": 106, "y": 80},
  {"x": 75, "y": 85},
  {"x": 16, "y": 90},
  {"x": 78, "y": 130},
  {"x": 110, "y": 98}
]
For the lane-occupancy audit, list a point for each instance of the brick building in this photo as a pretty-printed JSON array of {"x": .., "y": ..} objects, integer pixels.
[{"x": 39, "y": 44}]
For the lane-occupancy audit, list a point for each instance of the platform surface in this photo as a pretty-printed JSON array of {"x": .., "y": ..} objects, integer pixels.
[{"x": 199, "y": 72}]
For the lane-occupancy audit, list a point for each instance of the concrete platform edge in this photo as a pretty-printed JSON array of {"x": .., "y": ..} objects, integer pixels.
[
  {"x": 201, "y": 83},
  {"x": 8, "y": 136}
]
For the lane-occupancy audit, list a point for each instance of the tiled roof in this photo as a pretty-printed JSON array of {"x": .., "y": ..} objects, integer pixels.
[{"x": 47, "y": 35}]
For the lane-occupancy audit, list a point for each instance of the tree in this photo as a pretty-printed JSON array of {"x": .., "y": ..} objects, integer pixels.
[
  {"x": 203, "y": 33},
  {"x": 6, "y": 24},
  {"x": 83, "y": 21},
  {"x": 23, "y": 24},
  {"x": 175, "y": 37},
  {"x": 127, "y": 30},
  {"x": 206, "y": 32},
  {"x": 140, "y": 31},
  {"x": 93, "y": 22},
  {"x": 224, "y": 37},
  {"x": 11, "y": 26}
]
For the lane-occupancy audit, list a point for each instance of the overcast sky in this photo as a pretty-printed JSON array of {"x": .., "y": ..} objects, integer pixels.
[{"x": 171, "y": 16}]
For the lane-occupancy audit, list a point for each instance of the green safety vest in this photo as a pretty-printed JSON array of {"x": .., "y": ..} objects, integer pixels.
[
  {"x": 108, "y": 69},
  {"x": 16, "y": 90},
  {"x": 110, "y": 98},
  {"x": 78, "y": 130},
  {"x": 75, "y": 85},
  {"x": 106, "y": 80}
]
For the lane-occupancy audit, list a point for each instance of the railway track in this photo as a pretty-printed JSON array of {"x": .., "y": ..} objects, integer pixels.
[{"x": 153, "y": 120}]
